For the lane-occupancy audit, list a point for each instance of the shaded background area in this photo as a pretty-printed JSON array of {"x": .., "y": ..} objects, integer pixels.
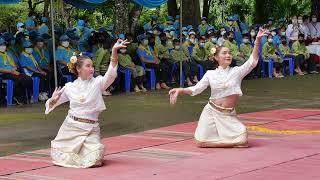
[{"x": 27, "y": 128}]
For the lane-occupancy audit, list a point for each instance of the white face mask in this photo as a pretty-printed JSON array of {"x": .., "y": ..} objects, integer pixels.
[
  {"x": 123, "y": 50},
  {"x": 273, "y": 33},
  {"x": 314, "y": 20},
  {"x": 253, "y": 34},
  {"x": 203, "y": 22},
  {"x": 155, "y": 32},
  {"x": 230, "y": 22},
  {"x": 169, "y": 42},
  {"x": 177, "y": 47},
  {"x": 294, "y": 21},
  {"x": 202, "y": 44},
  {"x": 145, "y": 42},
  {"x": 223, "y": 33},
  {"x": 65, "y": 44},
  {"x": 270, "y": 40},
  {"x": 214, "y": 39},
  {"x": 20, "y": 29},
  {"x": 245, "y": 40},
  {"x": 300, "y": 21},
  {"x": 3, "y": 48},
  {"x": 283, "y": 33},
  {"x": 192, "y": 40},
  {"x": 29, "y": 50}
]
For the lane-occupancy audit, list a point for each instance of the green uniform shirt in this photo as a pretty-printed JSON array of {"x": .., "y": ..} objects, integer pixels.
[
  {"x": 285, "y": 50},
  {"x": 132, "y": 48},
  {"x": 233, "y": 47},
  {"x": 125, "y": 60},
  {"x": 178, "y": 56},
  {"x": 209, "y": 45},
  {"x": 162, "y": 50},
  {"x": 101, "y": 59},
  {"x": 299, "y": 48},
  {"x": 199, "y": 54},
  {"x": 246, "y": 49},
  {"x": 268, "y": 50}
]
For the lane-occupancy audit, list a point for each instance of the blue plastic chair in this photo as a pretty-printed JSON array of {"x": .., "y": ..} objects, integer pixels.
[
  {"x": 9, "y": 88},
  {"x": 127, "y": 77},
  {"x": 151, "y": 83},
  {"x": 263, "y": 67},
  {"x": 35, "y": 88}
]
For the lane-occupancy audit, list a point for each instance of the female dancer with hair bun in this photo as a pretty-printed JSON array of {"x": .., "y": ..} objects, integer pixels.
[
  {"x": 78, "y": 144},
  {"x": 218, "y": 125}
]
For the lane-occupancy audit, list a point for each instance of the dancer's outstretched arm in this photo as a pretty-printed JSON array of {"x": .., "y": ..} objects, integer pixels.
[
  {"x": 111, "y": 73},
  {"x": 58, "y": 97}
]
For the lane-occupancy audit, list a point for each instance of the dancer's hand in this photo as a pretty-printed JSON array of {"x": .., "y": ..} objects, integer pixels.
[
  {"x": 56, "y": 95},
  {"x": 120, "y": 44},
  {"x": 174, "y": 93},
  {"x": 262, "y": 32}
]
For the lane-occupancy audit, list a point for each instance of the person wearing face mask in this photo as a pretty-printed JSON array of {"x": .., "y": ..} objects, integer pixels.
[
  {"x": 269, "y": 53},
  {"x": 276, "y": 36},
  {"x": 151, "y": 24},
  {"x": 212, "y": 40},
  {"x": 222, "y": 36},
  {"x": 299, "y": 48},
  {"x": 245, "y": 48},
  {"x": 314, "y": 27},
  {"x": 189, "y": 67},
  {"x": 203, "y": 27},
  {"x": 20, "y": 28},
  {"x": 11, "y": 46},
  {"x": 200, "y": 55},
  {"x": 101, "y": 58},
  {"x": 138, "y": 73},
  {"x": 9, "y": 70},
  {"x": 63, "y": 54},
  {"x": 286, "y": 51},
  {"x": 43, "y": 28},
  {"x": 176, "y": 24},
  {"x": 162, "y": 50},
  {"x": 189, "y": 45},
  {"x": 232, "y": 45},
  {"x": 148, "y": 56},
  {"x": 170, "y": 22},
  {"x": 41, "y": 54},
  {"x": 156, "y": 33},
  {"x": 297, "y": 27},
  {"x": 31, "y": 22},
  {"x": 252, "y": 35},
  {"x": 32, "y": 68}
]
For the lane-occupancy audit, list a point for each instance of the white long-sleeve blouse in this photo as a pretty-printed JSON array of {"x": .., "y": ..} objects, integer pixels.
[
  {"x": 85, "y": 96},
  {"x": 224, "y": 82}
]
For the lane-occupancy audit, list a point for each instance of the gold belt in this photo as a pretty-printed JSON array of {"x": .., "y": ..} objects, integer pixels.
[
  {"x": 83, "y": 120},
  {"x": 221, "y": 109}
]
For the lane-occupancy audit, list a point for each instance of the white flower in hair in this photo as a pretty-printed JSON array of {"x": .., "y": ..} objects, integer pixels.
[
  {"x": 213, "y": 51},
  {"x": 81, "y": 54},
  {"x": 73, "y": 59}
]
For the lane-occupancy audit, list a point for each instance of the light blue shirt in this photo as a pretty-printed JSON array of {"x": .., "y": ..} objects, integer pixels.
[
  {"x": 63, "y": 54},
  {"x": 42, "y": 57},
  {"x": 26, "y": 61},
  {"x": 30, "y": 23},
  {"x": 43, "y": 29},
  {"x": 145, "y": 55}
]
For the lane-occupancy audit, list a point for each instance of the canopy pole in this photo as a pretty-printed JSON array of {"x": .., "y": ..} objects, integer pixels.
[
  {"x": 181, "y": 51},
  {"x": 53, "y": 44}
]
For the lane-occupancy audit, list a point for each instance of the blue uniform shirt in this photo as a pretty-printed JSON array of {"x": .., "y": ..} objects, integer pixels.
[
  {"x": 63, "y": 54},
  {"x": 43, "y": 29},
  {"x": 30, "y": 23},
  {"x": 42, "y": 57},
  {"x": 4, "y": 61},
  {"x": 146, "y": 53},
  {"x": 27, "y": 60}
]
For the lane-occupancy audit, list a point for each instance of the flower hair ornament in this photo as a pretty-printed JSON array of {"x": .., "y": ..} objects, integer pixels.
[
  {"x": 73, "y": 60},
  {"x": 213, "y": 51}
]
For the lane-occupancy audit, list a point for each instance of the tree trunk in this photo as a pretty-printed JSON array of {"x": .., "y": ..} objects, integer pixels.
[
  {"x": 134, "y": 17},
  {"x": 315, "y": 7},
  {"x": 46, "y": 8},
  {"x": 31, "y": 10},
  {"x": 172, "y": 8},
  {"x": 191, "y": 12},
  {"x": 64, "y": 15},
  {"x": 206, "y": 8},
  {"x": 121, "y": 20},
  {"x": 263, "y": 9}
]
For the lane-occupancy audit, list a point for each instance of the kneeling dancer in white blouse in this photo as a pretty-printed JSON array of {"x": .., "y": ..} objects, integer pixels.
[
  {"x": 218, "y": 125},
  {"x": 78, "y": 144}
]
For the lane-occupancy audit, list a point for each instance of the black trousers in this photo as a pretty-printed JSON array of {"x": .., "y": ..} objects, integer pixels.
[
  {"x": 21, "y": 83},
  {"x": 162, "y": 71},
  {"x": 190, "y": 68},
  {"x": 45, "y": 81}
]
